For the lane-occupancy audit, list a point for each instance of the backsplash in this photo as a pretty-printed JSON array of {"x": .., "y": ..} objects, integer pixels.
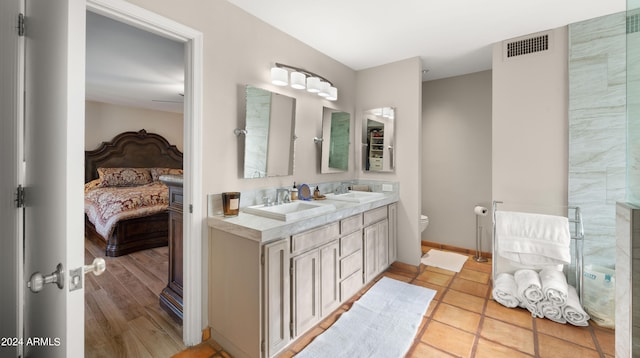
[{"x": 255, "y": 197}]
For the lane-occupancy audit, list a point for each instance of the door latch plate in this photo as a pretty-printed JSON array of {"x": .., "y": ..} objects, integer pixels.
[{"x": 75, "y": 279}]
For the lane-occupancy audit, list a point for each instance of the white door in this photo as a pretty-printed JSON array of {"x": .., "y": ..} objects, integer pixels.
[{"x": 53, "y": 157}]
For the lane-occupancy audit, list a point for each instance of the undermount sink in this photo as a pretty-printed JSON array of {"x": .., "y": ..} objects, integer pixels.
[
  {"x": 356, "y": 196},
  {"x": 290, "y": 211}
]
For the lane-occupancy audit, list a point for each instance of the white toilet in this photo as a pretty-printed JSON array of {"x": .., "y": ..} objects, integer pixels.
[{"x": 424, "y": 222}]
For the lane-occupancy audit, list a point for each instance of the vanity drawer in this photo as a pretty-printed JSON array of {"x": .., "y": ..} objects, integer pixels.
[
  {"x": 350, "y": 224},
  {"x": 350, "y": 286},
  {"x": 350, "y": 243},
  {"x": 351, "y": 264},
  {"x": 375, "y": 215},
  {"x": 313, "y": 238}
]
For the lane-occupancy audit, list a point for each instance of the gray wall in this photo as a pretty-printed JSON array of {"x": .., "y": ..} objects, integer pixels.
[
  {"x": 530, "y": 126},
  {"x": 456, "y": 152},
  {"x": 398, "y": 85},
  {"x": 103, "y": 121}
]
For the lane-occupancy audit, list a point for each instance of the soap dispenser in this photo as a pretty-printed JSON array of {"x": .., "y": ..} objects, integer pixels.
[{"x": 294, "y": 192}]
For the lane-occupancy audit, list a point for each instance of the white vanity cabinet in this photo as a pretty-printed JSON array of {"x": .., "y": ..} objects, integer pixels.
[
  {"x": 264, "y": 295},
  {"x": 375, "y": 242},
  {"x": 393, "y": 232},
  {"x": 314, "y": 276},
  {"x": 350, "y": 270},
  {"x": 276, "y": 296}
]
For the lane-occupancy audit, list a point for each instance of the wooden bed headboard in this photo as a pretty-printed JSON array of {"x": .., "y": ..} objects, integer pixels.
[{"x": 132, "y": 150}]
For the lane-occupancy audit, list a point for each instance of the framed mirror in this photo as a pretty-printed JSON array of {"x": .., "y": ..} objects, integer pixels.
[
  {"x": 269, "y": 133},
  {"x": 336, "y": 131},
  {"x": 378, "y": 140}
]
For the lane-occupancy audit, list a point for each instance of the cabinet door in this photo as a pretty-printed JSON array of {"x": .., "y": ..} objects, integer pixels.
[
  {"x": 393, "y": 230},
  {"x": 277, "y": 298},
  {"x": 382, "y": 246},
  {"x": 329, "y": 277},
  {"x": 370, "y": 240},
  {"x": 306, "y": 306}
]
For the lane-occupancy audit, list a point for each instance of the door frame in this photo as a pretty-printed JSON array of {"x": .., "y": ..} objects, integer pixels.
[
  {"x": 193, "y": 321},
  {"x": 12, "y": 154}
]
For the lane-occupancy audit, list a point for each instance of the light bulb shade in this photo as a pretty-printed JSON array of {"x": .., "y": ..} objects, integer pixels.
[
  {"x": 313, "y": 84},
  {"x": 298, "y": 80},
  {"x": 333, "y": 94},
  {"x": 324, "y": 89},
  {"x": 279, "y": 76}
]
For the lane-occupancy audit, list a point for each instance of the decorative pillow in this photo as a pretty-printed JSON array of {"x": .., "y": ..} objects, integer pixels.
[
  {"x": 124, "y": 176},
  {"x": 95, "y": 183},
  {"x": 157, "y": 172}
]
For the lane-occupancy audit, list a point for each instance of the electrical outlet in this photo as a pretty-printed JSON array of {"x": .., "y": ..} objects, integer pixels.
[{"x": 387, "y": 187}]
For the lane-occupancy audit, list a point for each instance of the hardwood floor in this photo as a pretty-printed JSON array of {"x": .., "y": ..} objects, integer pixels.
[{"x": 122, "y": 315}]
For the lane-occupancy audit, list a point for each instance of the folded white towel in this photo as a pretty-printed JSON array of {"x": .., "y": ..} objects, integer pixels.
[
  {"x": 573, "y": 311},
  {"x": 505, "y": 290},
  {"x": 554, "y": 286},
  {"x": 533, "y": 239},
  {"x": 551, "y": 311}
]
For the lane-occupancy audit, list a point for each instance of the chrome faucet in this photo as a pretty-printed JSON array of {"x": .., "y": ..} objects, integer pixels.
[
  {"x": 279, "y": 197},
  {"x": 341, "y": 189}
]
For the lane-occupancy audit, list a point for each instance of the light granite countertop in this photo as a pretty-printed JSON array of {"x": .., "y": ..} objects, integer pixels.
[{"x": 264, "y": 230}]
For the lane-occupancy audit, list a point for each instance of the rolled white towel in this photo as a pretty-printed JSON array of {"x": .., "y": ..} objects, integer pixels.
[
  {"x": 554, "y": 286},
  {"x": 551, "y": 311},
  {"x": 573, "y": 311},
  {"x": 529, "y": 286},
  {"x": 505, "y": 290},
  {"x": 531, "y": 307}
]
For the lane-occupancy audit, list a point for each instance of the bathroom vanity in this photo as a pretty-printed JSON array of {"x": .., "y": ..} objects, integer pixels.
[{"x": 271, "y": 281}]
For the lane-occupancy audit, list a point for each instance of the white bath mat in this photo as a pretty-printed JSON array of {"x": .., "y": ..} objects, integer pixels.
[
  {"x": 382, "y": 323},
  {"x": 444, "y": 260}
]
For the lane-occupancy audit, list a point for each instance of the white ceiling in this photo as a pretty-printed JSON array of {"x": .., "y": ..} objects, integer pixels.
[
  {"x": 451, "y": 37},
  {"x": 131, "y": 67}
]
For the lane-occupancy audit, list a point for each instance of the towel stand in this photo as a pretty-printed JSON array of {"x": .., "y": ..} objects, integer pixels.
[{"x": 576, "y": 267}]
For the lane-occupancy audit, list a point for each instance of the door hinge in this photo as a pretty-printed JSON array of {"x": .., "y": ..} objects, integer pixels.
[
  {"x": 262, "y": 346},
  {"x": 262, "y": 259},
  {"x": 19, "y": 197},
  {"x": 190, "y": 208},
  {"x": 291, "y": 329},
  {"x": 20, "y": 26}
]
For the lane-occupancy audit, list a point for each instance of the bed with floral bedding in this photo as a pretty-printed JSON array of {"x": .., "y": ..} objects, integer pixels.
[{"x": 125, "y": 201}]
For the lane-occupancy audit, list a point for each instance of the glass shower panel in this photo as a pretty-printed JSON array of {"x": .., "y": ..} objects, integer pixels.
[{"x": 633, "y": 101}]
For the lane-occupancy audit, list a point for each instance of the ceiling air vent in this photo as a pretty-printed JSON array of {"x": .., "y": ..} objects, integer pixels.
[
  {"x": 633, "y": 23},
  {"x": 526, "y": 46}
]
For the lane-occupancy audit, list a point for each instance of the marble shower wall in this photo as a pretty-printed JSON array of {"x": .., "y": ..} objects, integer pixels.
[{"x": 597, "y": 130}]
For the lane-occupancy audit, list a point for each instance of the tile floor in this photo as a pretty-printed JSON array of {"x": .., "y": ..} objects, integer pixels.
[{"x": 463, "y": 321}]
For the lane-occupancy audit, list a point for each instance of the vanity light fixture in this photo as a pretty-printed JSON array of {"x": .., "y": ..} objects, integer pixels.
[
  {"x": 303, "y": 79},
  {"x": 279, "y": 76},
  {"x": 298, "y": 80},
  {"x": 324, "y": 89},
  {"x": 313, "y": 84}
]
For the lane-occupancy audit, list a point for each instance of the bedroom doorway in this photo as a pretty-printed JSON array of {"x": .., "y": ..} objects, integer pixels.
[{"x": 191, "y": 94}]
